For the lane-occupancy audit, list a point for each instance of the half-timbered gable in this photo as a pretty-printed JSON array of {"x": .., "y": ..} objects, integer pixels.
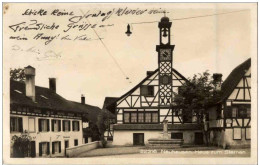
[
  {"x": 142, "y": 102},
  {"x": 233, "y": 112}
]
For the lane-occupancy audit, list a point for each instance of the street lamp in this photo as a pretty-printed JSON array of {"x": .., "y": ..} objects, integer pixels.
[{"x": 128, "y": 32}]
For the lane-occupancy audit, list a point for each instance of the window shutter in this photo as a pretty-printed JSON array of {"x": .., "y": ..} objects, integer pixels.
[
  {"x": 40, "y": 149},
  {"x": 78, "y": 126},
  {"x": 59, "y": 147},
  {"x": 69, "y": 125},
  {"x": 52, "y": 125},
  {"x": 48, "y": 148},
  {"x": 59, "y": 125},
  {"x": 63, "y": 125},
  {"x": 48, "y": 125},
  {"x": 39, "y": 125},
  {"x": 20, "y": 122},
  {"x": 73, "y": 125}
]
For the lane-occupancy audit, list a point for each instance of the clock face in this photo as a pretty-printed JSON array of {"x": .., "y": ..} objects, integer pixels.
[{"x": 165, "y": 54}]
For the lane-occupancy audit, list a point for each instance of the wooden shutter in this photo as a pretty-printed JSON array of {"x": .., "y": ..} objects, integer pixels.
[
  {"x": 48, "y": 148},
  {"x": 20, "y": 123},
  {"x": 52, "y": 125},
  {"x": 40, "y": 149},
  {"x": 59, "y": 125},
  {"x": 73, "y": 125},
  {"x": 53, "y": 145},
  {"x": 69, "y": 125},
  {"x": 48, "y": 125},
  {"x": 39, "y": 125},
  {"x": 59, "y": 147}
]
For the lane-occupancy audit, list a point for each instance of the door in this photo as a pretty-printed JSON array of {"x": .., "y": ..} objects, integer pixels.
[
  {"x": 177, "y": 135},
  {"x": 138, "y": 138},
  {"x": 198, "y": 138},
  {"x": 33, "y": 153},
  {"x": 66, "y": 144}
]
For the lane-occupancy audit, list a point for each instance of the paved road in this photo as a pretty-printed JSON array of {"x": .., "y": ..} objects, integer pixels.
[
  {"x": 187, "y": 154},
  {"x": 141, "y": 152}
]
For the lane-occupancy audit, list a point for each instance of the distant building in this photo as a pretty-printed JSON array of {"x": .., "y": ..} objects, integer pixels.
[
  {"x": 52, "y": 122},
  {"x": 141, "y": 111},
  {"x": 230, "y": 118}
]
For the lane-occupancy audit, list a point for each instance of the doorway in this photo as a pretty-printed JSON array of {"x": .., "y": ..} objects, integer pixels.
[
  {"x": 32, "y": 146},
  {"x": 138, "y": 138},
  {"x": 199, "y": 138},
  {"x": 66, "y": 144},
  {"x": 177, "y": 135}
]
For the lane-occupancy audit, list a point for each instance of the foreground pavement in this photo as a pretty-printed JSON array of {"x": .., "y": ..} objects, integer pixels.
[{"x": 143, "y": 152}]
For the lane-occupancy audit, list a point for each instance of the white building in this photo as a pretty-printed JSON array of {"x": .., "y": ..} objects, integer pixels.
[
  {"x": 52, "y": 122},
  {"x": 141, "y": 111}
]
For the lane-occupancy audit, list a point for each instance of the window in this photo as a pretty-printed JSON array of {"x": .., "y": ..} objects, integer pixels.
[
  {"x": 148, "y": 117},
  {"x": 16, "y": 124},
  {"x": 133, "y": 117},
  {"x": 126, "y": 117},
  {"x": 75, "y": 125},
  {"x": 44, "y": 125},
  {"x": 237, "y": 133},
  {"x": 56, "y": 147},
  {"x": 44, "y": 148},
  {"x": 155, "y": 117},
  {"x": 31, "y": 124},
  {"x": 75, "y": 142},
  {"x": 66, "y": 125},
  {"x": 234, "y": 111},
  {"x": 248, "y": 133},
  {"x": 56, "y": 125},
  {"x": 140, "y": 117},
  {"x": 147, "y": 90}
]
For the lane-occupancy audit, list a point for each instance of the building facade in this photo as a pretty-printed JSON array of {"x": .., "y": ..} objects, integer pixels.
[
  {"x": 230, "y": 118},
  {"x": 141, "y": 111},
  {"x": 52, "y": 122}
]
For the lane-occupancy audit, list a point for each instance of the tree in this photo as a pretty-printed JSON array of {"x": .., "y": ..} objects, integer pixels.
[
  {"x": 21, "y": 145},
  {"x": 102, "y": 124},
  {"x": 195, "y": 96},
  {"x": 17, "y": 74}
]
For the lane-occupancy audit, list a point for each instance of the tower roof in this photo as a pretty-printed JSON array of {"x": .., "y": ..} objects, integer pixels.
[{"x": 165, "y": 19}]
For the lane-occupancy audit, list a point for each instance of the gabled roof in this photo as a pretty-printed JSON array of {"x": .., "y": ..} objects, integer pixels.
[
  {"x": 146, "y": 78},
  {"x": 92, "y": 111},
  {"x": 108, "y": 101},
  {"x": 233, "y": 79},
  {"x": 45, "y": 99}
]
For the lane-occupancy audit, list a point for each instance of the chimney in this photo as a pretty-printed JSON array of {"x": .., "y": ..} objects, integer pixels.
[
  {"x": 217, "y": 80},
  {"x": 148, "y": 73},
  {"x": 52, "y": 84},
  {"x": 29, "y": 72},
  {"x": 82, "y": 99}
]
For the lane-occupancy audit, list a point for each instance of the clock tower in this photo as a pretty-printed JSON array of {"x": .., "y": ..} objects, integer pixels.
[{"x": 165, "y": 50}]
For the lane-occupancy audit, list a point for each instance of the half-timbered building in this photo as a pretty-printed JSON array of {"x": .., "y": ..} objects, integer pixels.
[
  {"x": 230, "y": 118},
  {"x": 141, "y": 111},
  {"x": 52, "y": 122}
]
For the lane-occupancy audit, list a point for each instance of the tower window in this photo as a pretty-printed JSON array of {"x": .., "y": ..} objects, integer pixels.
[{"x": 147, "y": 90}]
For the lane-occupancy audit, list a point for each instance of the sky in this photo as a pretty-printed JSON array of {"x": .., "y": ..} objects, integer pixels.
[{"x": 216, "y": 43}]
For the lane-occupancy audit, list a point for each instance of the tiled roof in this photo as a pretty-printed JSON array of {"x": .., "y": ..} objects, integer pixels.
[
  {"x": 108, "y": 101},
  {"x": 47, "y": 99},
  {"x": 157, "y": 127},
  {"x": 234, "y": 77}
]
